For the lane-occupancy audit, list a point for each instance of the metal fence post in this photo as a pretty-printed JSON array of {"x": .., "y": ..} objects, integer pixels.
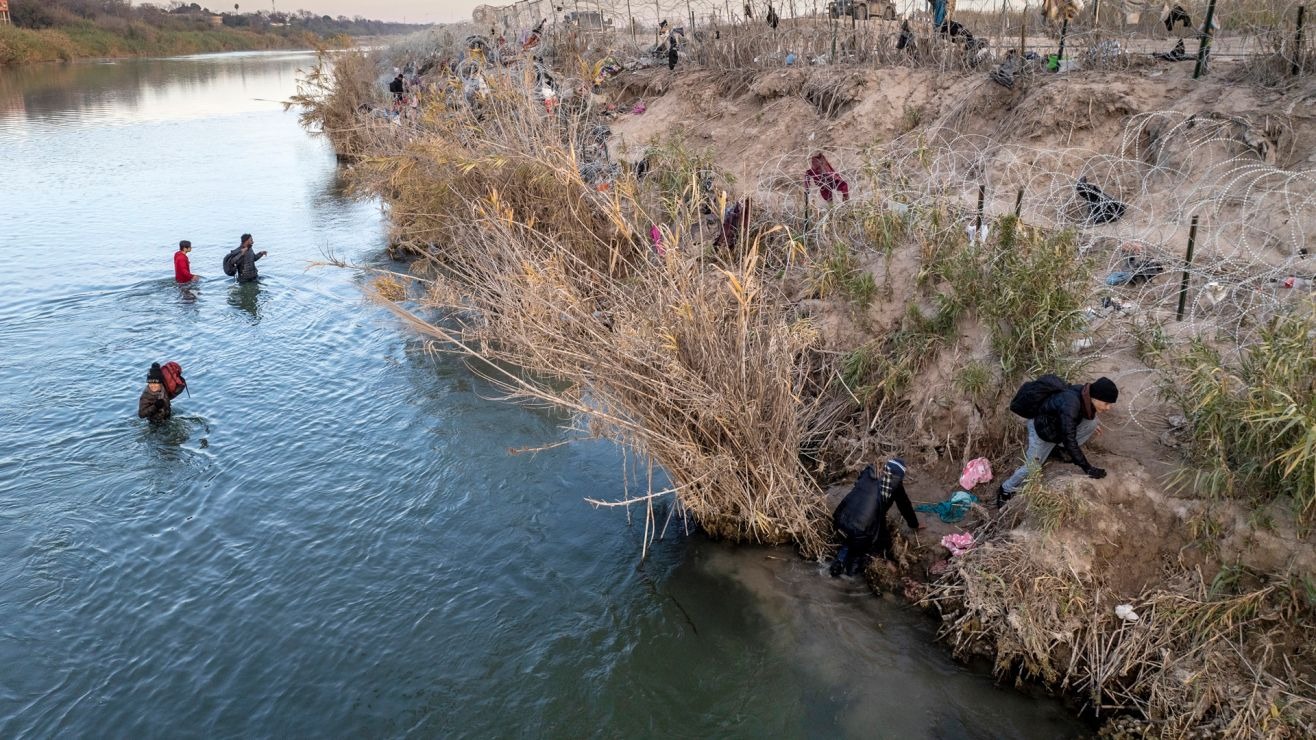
[
  {"x": 1297, "y": 42},
  {"x": 1206, "y": 40},
  {"x": 982, "y": 200},
  {"x": 1187, "y": 262}
]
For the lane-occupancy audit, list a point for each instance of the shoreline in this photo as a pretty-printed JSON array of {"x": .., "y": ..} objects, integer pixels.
[{"x": 21, "y": 47}]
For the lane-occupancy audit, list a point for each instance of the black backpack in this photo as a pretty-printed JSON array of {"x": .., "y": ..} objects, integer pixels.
[
  {"x": 231, "y": 263},
  {"x": 1028, "y": 400}
]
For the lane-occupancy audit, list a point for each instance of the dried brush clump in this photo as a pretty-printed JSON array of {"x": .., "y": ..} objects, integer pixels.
[
  {"x": 552, "y": 281},
  {"x": 1196, "y": 663},
  {"x": 330, "y": 95}
]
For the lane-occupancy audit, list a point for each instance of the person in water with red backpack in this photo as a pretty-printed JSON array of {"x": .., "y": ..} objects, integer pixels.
[
  {"x": 1064, "y": 415},
  {"x": 182, "y": 266},
  {"x": 154, "y": 401}
]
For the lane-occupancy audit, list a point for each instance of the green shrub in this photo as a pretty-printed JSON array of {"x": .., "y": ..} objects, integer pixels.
[
  {"x": 1252, "y": 421},
  {"x": 1026, "y": 286},
  {"x": 840, "y": 274}
]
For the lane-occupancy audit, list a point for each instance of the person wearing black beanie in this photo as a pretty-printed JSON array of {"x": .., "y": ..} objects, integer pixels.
[
  {"x": 1067, "y": 417},
  {"x": 154, "y": 403}
]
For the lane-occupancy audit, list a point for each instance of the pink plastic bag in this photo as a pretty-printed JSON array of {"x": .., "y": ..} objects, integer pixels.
[
  {"x": 977, "y": 471},
  {"x": 958, "y": 544}
]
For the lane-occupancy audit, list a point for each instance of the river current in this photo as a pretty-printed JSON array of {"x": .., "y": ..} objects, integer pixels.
[{"x": 331, "y": 538}]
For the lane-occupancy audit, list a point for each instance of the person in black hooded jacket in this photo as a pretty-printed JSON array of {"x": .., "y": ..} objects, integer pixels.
[
  {"x": 860, "y": 518},
  {"x": 1067, "y": 418}
]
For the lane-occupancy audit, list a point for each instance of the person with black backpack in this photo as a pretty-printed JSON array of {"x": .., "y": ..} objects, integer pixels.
[
  {"x": 861, "y": 516},
  {"x": 1058, "y": 414},
  {"x": 242, "y": 261}
]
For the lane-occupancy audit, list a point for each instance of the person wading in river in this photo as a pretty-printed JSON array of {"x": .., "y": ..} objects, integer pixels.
[
  {"x": 1068, "y": 417},
  {"x": 154, "y": 403},
  {"x": 861, "y": 517},
  {"x": 246, "y": 257},
  {"x": 182, "y": 266}
]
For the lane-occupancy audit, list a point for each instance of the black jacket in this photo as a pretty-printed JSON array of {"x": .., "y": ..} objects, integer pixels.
[
  {"x": 864, "y": 509},
  {"x": 247, "y": 265},
  {"x": 1057, "y": 422}
]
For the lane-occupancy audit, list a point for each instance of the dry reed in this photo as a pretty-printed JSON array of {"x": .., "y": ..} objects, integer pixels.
[
  {"x": 540, "y": 264},
  {"x": 1180, "y": 666}
]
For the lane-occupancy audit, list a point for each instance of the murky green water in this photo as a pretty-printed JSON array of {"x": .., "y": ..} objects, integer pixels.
[{"x": 330, "y": 538}]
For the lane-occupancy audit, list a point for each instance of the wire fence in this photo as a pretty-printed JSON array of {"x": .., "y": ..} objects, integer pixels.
[
  {"x": 1100, "y": 34},
  {"x": 1219, "y": 181}
]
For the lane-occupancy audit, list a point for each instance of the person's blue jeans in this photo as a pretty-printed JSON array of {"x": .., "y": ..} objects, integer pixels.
[
  {"x": 1039, "y": 450},
  {"x": 938, "y": 13}
]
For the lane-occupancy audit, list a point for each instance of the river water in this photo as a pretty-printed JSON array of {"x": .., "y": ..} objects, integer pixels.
[{"x": 331, "y": 538}]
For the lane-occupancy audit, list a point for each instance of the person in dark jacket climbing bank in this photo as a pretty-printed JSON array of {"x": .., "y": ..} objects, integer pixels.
[
  {"x": 1067, "y": 418},
  {"x": 154, "y": 401},
  {"x": 860, "y": 518}
]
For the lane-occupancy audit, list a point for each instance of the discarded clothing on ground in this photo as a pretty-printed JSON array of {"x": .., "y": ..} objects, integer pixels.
[
  {"x": 906, "y": 40},
  {"x": 734, "y": 222},
  {"x": 1101, "y": 208},
  {"x": 978, "y": 470},
  {"x": 1004, "y": 74},
  {"x": 952, "y": 509},
  {"x": 1135, "y": 267},
  {"x": 956, "y": 30},
  {"x": 822, "y": 174},
  {"x": 1177, "y": 54},
  {"x": 605, "y": 68},
  {"x": 958, "y": 544},
  {"x": 1177, "y": 15}
]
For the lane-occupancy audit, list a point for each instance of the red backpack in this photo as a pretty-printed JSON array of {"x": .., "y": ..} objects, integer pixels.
[{"x": 174, "y": 382}]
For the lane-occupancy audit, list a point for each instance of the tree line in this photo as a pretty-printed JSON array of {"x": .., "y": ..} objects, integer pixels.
[{"x": 119, "y": 15}]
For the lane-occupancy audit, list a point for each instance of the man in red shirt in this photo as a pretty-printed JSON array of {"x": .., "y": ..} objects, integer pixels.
[{"x": 183, "y": 268}]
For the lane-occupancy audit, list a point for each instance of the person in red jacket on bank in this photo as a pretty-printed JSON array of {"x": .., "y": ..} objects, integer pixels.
[{"x": 182, "y": 267}]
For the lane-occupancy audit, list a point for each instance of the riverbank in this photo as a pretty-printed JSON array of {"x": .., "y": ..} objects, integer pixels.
[
  {"x": 86, "y": 40},
  {"x": 761, "y": 358}
]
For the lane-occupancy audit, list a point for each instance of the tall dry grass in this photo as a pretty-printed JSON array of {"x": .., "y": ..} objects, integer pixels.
[
  {"x": 688, "y": 359},
  {"x": 329, "y": 99},
  {"x": 1201, "y": 661}
]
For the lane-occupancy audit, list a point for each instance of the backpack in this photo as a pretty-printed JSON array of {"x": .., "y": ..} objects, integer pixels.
[
  {"x": 1028, "y": 400},
  {"x": 231, "y": 263},
  {"x": 174, "y": 382}
]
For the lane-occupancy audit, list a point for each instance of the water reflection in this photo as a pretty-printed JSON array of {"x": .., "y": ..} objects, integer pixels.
[
  {"x": 187, "y": 294},
  {"x": 137, "y": 90},
  {"x": 246, "y": 296}
]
